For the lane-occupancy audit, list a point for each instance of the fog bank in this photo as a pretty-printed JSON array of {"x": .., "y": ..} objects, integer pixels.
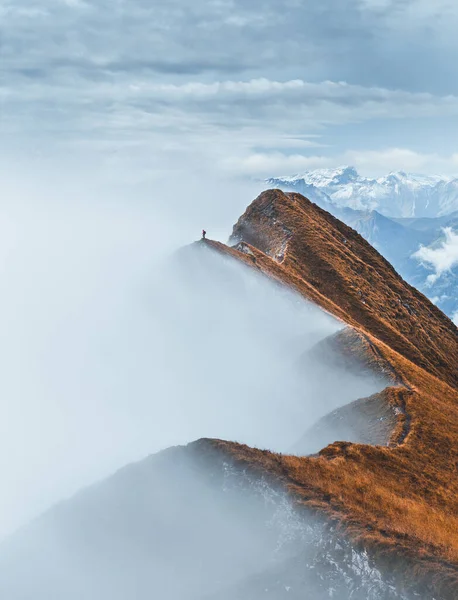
[{"x": 113, "y": 346}]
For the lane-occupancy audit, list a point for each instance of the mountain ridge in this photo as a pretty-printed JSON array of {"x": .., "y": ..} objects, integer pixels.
[
  {"x": 322, "y": 246},
  {"x": 385, "y": 507},
  {"x": 398, "y": 501}
]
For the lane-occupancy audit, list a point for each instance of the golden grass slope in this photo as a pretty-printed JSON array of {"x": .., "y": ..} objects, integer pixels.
[{"x": 400, "y": 501}]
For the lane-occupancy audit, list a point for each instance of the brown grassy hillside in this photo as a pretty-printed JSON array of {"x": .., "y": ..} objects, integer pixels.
[{"x": 400, "y": 501}]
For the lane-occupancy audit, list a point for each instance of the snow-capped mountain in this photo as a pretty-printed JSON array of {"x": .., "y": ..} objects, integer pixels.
[{"x": 398, "y": 194}]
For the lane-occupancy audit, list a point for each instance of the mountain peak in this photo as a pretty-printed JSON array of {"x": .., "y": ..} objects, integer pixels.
[
  {"x": 331, "y": 177},
  {"x": 396, "y": 175},
  {"x": 319, "y": 248},
  {"x": 345, "y": 173}
]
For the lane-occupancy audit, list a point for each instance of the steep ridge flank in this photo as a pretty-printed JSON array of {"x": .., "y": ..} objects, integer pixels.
[
  {"x": 351, "y": 350},
  {"x": 400, "y": 502},
  {"x": 379, "y": 419},
  {"x": 369, "y": 420},
  {"x": 344, "y": 268}
]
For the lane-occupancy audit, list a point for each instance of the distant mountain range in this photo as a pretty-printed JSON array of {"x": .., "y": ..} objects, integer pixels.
[
  {"x": 401, "y": 215},
  {"x": 398, "y": 194}
]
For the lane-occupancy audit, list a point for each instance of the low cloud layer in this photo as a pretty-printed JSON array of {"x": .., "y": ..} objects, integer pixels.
[
  {"x": 441, "y": 258},
  {"x": 114, "y": 347},
  {"x": 372, "y": 163}
]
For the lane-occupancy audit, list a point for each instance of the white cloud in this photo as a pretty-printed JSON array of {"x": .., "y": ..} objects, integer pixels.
[
  {"x": 298, "y": 91},
  {"x": 376, "y": 162},
  {"x": 443, "y": 257},
  {"x": 257, "y": 127},
  {"x": 286, "y": 105},
  {"x": 369, "y": 163},
  {"x": 264, "y": 164}
]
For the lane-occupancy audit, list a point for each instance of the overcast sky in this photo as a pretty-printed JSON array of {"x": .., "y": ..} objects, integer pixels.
[{"x": 237, "y": 87}]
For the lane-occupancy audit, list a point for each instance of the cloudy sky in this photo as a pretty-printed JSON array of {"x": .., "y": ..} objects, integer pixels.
[{"x": 241, "y": 88}]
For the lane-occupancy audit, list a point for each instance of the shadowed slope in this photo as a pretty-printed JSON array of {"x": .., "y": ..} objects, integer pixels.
[
  {"x": 186, "y": 524},
  {"x": 369, "y": 420},
  {"x": 374, "y": 420}
]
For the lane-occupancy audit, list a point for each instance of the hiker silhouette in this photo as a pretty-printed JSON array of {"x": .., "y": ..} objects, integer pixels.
[{"x": 204, "y": 233}]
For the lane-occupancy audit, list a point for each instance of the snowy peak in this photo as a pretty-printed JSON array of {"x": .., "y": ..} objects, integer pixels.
[
  {"x": 398, "y": 194},
  {"x": 332, "y": 177},
  {"x": 322, "y": 177}
]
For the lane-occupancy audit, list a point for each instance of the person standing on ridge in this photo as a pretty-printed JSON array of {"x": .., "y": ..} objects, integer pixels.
[{"x": 204, "y": 233}]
